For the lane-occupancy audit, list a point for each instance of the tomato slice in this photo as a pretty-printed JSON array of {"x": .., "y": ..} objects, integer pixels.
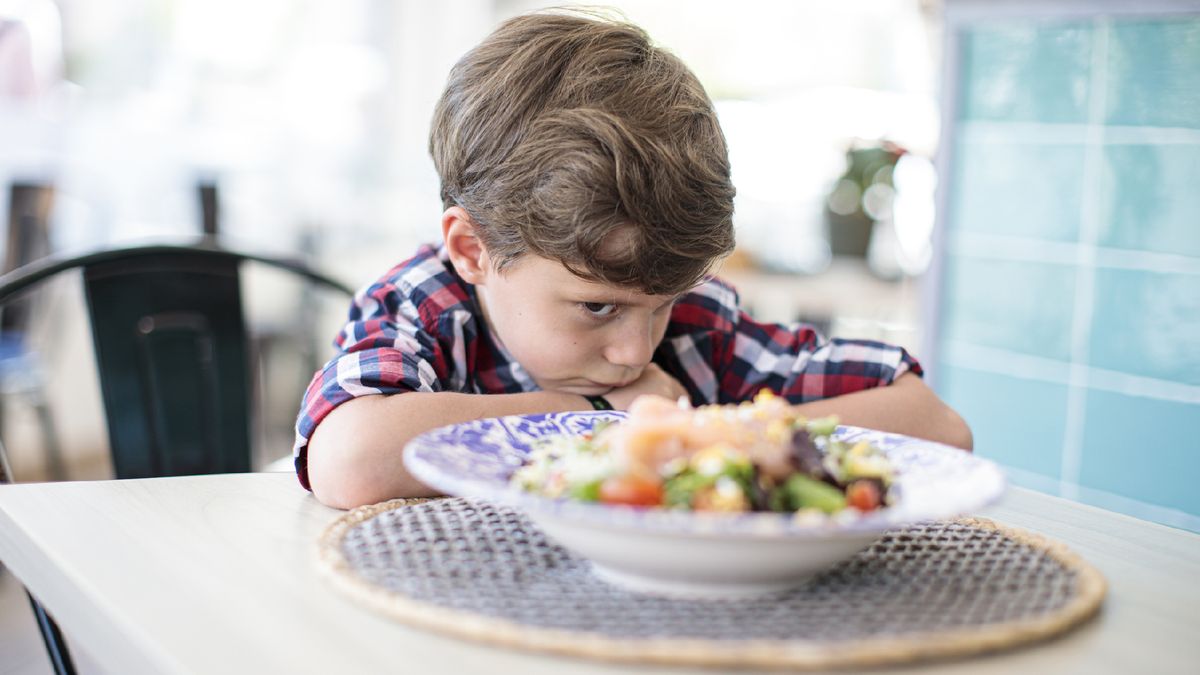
[
  {"x": 863, "y": 495},
  {"x": 632, "y": 490}
]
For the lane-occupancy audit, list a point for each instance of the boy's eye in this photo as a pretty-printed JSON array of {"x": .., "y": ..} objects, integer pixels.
[{"x": 599, "y": 309}]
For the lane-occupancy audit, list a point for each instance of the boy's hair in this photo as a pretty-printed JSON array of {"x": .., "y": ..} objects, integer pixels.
[{"x": 559, "y": 130}]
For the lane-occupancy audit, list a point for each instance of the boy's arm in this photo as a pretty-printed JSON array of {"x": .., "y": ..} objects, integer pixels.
[
  {"x": 906, "y": 406},
  {"x": 871, "y": 384},
  {"x": 354, "y": 454}
]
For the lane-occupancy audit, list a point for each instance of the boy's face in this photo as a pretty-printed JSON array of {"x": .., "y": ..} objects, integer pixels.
[{"x": 570, "y": 334}]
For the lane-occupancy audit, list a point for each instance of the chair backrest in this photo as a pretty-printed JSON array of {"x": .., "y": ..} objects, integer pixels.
[
  {"x": 170, "y": 347},
  {"x": 170, "y": 341}
]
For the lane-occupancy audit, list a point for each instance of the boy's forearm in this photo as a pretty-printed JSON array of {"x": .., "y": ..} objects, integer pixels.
[
  {"x": 354, "y": 455},
  {"x": 907, "y": 406}
]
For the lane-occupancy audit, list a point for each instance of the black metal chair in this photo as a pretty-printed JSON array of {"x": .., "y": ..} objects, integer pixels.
[{"x": 171, "y": 350}]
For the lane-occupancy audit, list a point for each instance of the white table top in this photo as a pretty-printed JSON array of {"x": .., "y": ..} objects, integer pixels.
[{"x": 216, "y": 574}]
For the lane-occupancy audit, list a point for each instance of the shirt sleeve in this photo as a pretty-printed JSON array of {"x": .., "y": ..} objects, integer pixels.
[
  {"x": 723, "y": 356},
  {"x": 795, "y": 362},
  {"x": 383, "y": 349}
]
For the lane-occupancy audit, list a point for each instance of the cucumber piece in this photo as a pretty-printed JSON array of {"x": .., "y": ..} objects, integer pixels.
[
  {"x": 807, "y": 492},
  {"x": 587, "y": 492},
  {"x": 823, "y": 426}
]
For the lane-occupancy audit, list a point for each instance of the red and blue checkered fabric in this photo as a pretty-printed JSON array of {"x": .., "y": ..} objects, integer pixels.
[{"x": 419, "y": 329}]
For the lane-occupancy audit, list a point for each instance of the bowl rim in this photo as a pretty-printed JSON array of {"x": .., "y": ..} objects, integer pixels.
[{"x": 660, "y": 521}]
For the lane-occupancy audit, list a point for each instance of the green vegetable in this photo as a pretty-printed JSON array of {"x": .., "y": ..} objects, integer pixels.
[
  {"x": 587, "y": 492},
  {"x": 805, "y": 492},
  {"x": 743, "y": 475},
  {"x": 601, "y": 426},
  {"x": 779, "y": 500},
  {"x": 679, "y": 490},
  {"x": 823, "y": 426}
]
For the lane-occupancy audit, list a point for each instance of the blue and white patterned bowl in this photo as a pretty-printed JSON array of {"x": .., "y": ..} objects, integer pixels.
[{"x": 696, "y": 554}]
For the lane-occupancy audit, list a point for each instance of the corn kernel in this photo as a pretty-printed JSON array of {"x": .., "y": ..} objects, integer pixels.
[
  {"x": 712, "y": 460},
  {"x": 779, "y": 431}
]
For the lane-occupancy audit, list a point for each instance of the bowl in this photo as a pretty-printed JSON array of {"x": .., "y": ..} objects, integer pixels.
[{"x": 697, "y": 554}]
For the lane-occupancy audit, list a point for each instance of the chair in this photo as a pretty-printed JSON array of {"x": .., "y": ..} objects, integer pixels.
[{"x": 171, "y": 350}]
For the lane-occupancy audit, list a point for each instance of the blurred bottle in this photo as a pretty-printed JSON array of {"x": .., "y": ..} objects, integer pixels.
[{"x": 861, "y": 197}]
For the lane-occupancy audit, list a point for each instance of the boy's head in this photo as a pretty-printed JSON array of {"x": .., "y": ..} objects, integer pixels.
[{"x": 572, "y": 138}]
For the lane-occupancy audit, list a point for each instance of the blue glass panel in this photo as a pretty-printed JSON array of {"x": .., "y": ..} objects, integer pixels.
[
  {"x": 1147, "y": 323},
  {"x": 1029, "y": 73},
  {"x": 1154, "y": 73},
  {"x": 1142, "y": 448},
  {"x": 1022, "y": 306},
  {"x": 1153, "y": 203},
  {"x": 1016, "y": 422},
  {"x": 1023, "y": 190}
]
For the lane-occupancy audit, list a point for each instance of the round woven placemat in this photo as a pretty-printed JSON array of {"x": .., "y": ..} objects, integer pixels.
[{"x": 485, "y": 572}]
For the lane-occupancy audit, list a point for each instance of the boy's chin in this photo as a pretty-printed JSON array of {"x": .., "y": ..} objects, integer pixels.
[
  {"x": 585, "y": 391},
  {"x": 581, "y": 389}
]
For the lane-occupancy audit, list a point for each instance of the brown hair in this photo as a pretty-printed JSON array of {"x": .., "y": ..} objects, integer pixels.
[{"x": 559, "y": 130}]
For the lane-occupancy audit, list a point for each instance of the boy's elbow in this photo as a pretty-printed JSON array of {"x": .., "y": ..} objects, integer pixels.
[
  {"x": 939, "y": 421},
  {"x": 335, "y": 468},
  {"x": 354, "y": 461},
  {"x": 334, "y": 482},
  {"x": 957, "y": 432},
  {"x": 348, "y": 489},
  {"x": 339, "y": 495}
]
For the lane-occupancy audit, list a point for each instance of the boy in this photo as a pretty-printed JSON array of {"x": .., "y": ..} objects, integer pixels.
[{"x": 586, "y": 188}]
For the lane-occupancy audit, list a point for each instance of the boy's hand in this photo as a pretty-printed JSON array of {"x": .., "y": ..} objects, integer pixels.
[{"x": 654, "y": 380}]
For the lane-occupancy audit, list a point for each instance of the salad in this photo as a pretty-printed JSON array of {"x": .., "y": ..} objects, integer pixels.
[{"x": 753, "y": 456}]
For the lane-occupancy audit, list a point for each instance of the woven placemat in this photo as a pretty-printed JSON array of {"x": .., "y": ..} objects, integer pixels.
[{"x": 485, "y": 572}]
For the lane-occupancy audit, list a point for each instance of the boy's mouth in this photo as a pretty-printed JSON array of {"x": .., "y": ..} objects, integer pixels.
[
  {"x": 588, "y": 387},
  {"x": 607, "y": 386},
  {"x": 580, "y": 387}
]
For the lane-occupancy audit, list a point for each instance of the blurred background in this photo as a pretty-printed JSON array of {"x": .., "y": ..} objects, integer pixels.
[{"x": 1007, "y": 189}]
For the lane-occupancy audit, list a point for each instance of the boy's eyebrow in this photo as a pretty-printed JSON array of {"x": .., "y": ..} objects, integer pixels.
[{"x": 608, "y": 299}]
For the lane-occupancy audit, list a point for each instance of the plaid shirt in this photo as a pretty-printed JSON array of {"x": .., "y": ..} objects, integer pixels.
[{"x": 419, "y": 329}]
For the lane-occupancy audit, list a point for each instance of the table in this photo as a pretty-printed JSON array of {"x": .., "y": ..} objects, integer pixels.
[{"x": 216, "y": 574}]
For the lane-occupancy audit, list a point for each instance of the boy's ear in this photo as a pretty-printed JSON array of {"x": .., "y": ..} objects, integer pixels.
[{"x": 463, "y": 245}]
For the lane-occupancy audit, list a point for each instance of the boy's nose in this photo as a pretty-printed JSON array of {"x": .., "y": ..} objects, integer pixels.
[{"x": 632, "y": 347}]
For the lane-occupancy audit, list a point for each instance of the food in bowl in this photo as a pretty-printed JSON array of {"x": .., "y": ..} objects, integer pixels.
[
  {"x": 672, "y": 551},
  {"x": 754, "y": 456}
]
